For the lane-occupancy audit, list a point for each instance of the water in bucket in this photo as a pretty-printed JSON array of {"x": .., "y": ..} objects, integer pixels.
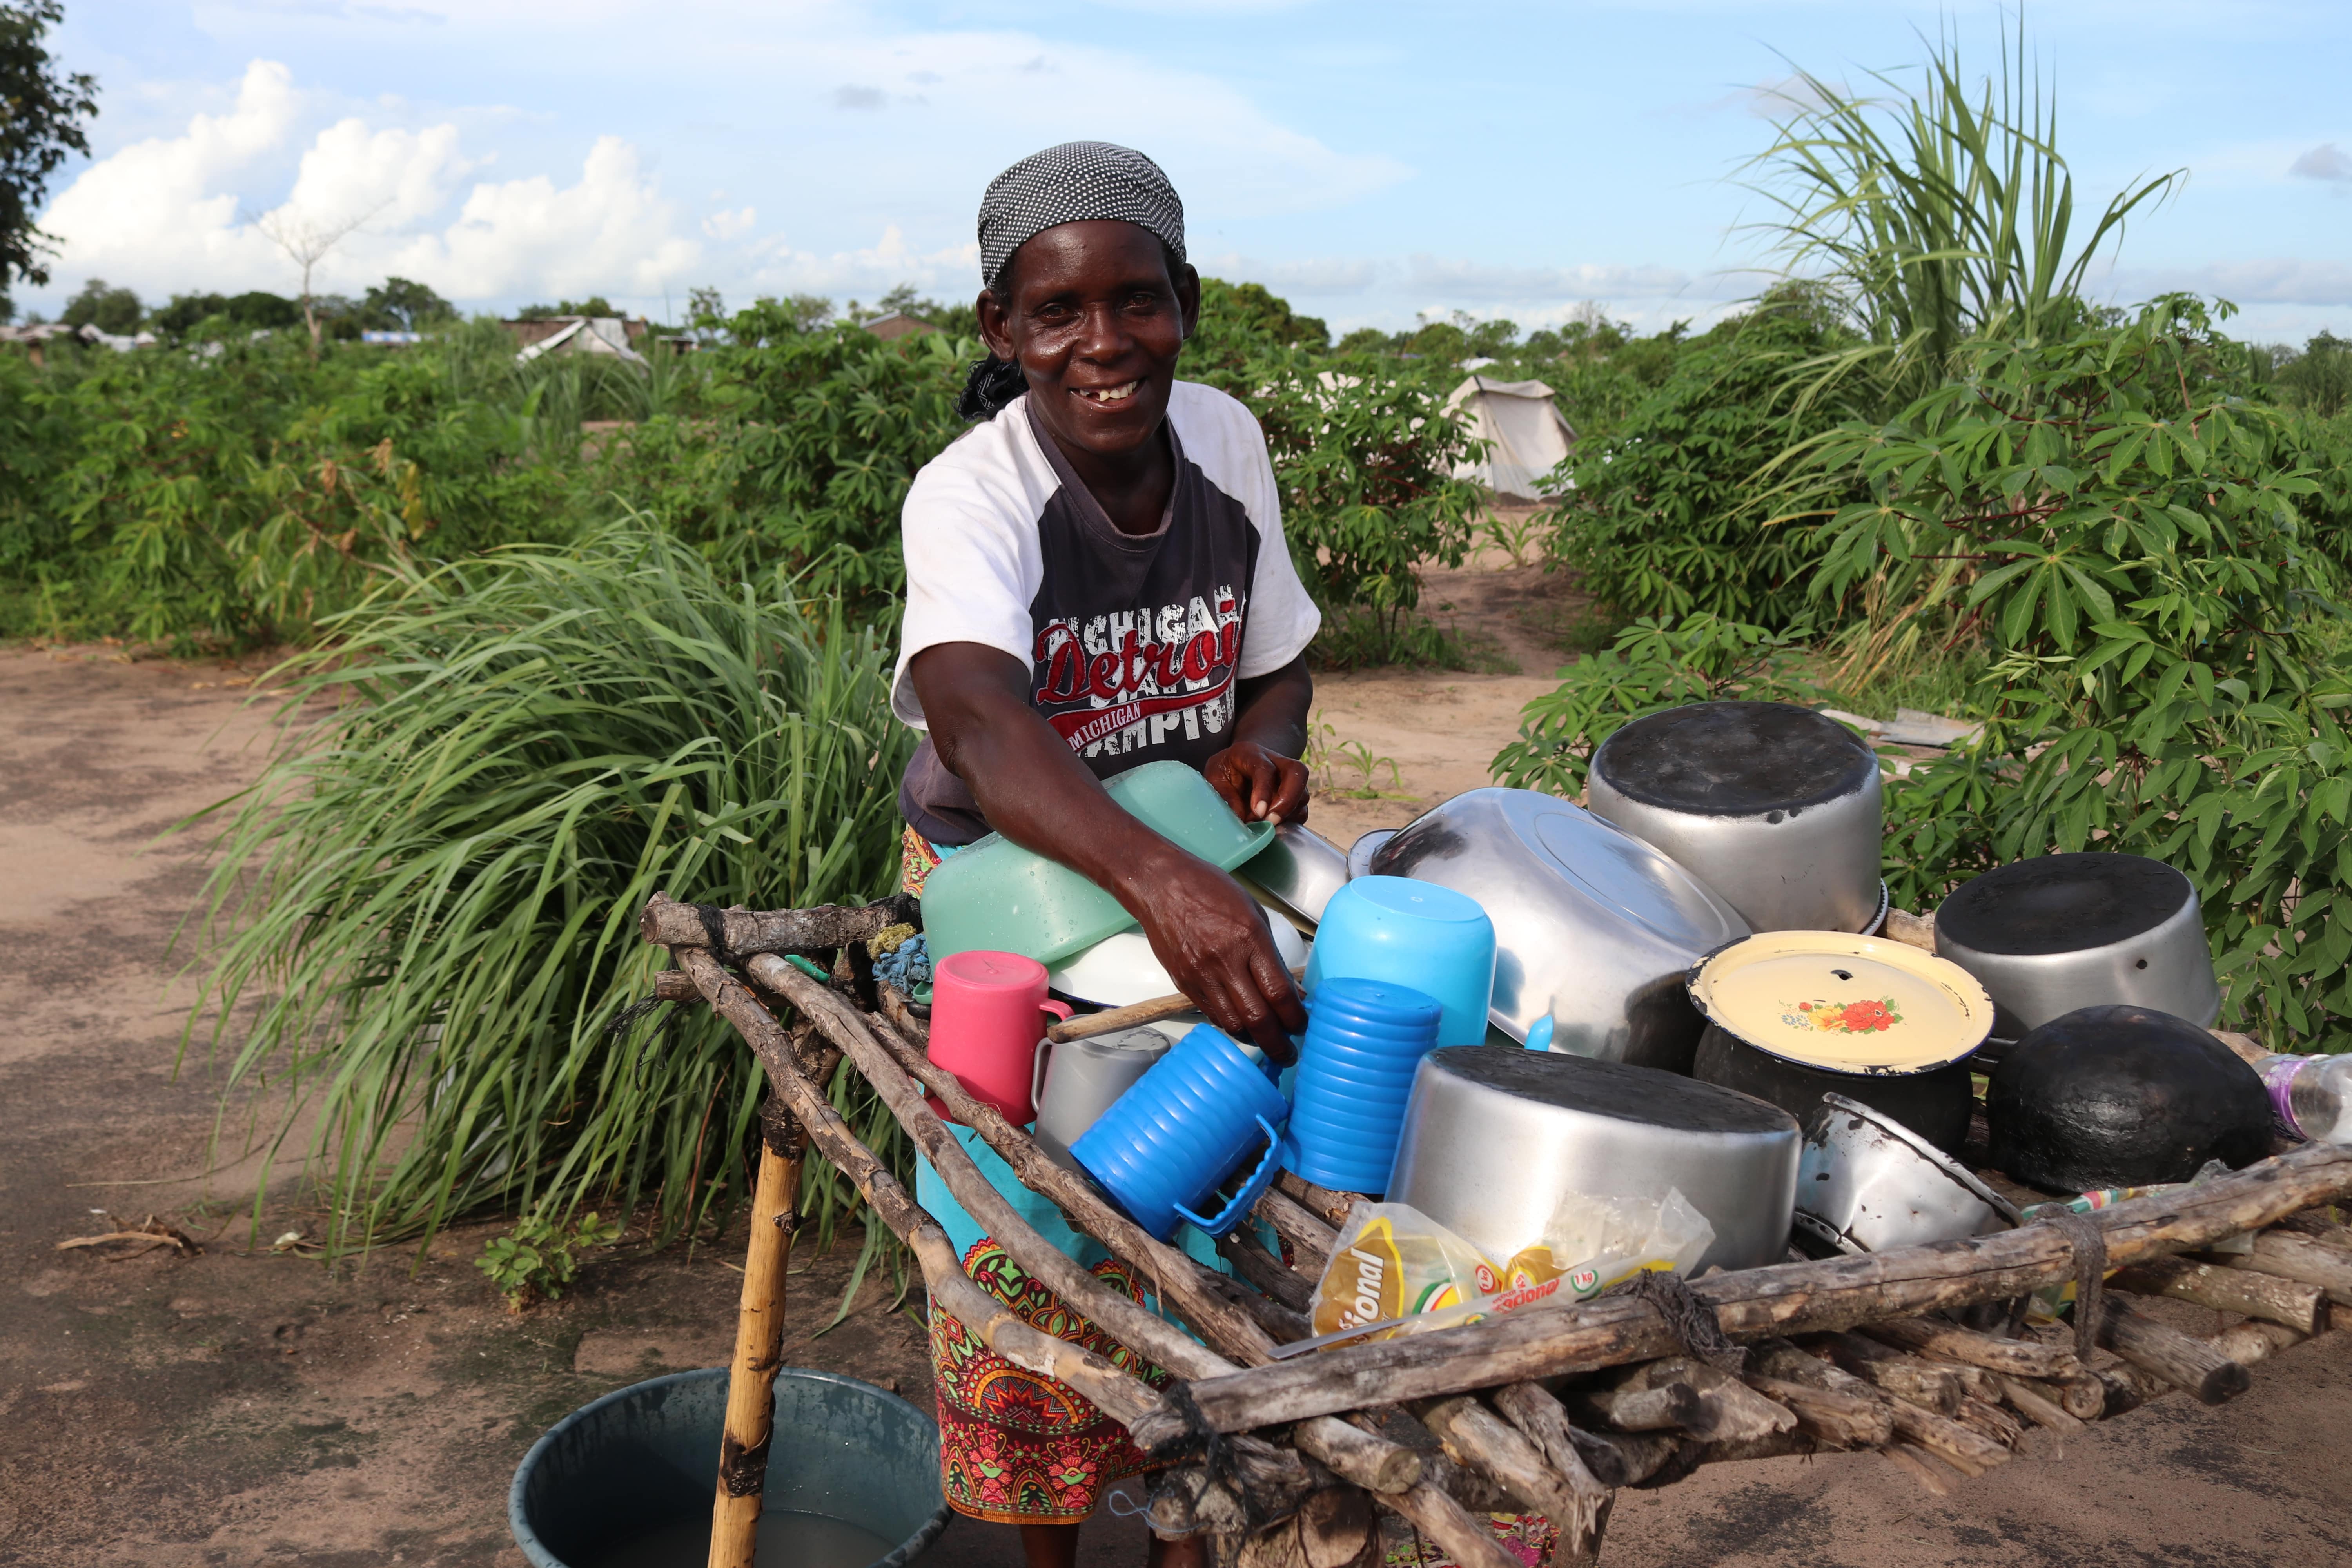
[{"x": 788, "y": 1539}]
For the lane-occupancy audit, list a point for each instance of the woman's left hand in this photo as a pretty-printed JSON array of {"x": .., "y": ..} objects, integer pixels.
[{"x": 1259, "y": 785}]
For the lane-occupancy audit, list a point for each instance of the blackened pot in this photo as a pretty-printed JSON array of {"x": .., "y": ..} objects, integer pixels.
[
  {"x": 2122, "y": 1096},
  {"x": 1935, "y": 1105}
]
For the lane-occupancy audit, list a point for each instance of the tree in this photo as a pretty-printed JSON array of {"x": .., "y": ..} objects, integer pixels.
[
  {"x": 397, "y": 304},
  {"x": 105, "y": 307},
  {"x": 306, "y": 244},
  {"x": 41, "y": 112},
  {"x": 595, "y": 305}
]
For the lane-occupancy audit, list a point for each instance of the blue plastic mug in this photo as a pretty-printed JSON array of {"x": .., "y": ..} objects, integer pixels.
[
  {"x": 1412, "y": 933},
  {"x": 1183, "y": 1127},
  {"x": 1364, "y": 1041}
]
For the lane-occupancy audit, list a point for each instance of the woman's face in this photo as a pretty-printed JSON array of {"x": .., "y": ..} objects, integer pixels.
[{"x": 1095, "y": 321}]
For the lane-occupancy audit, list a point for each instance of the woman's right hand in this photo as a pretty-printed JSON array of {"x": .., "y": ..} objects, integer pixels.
[{"x": 1211, "y": 938}]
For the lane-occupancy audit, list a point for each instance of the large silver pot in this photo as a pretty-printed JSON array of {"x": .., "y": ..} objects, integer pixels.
[
  {"x": 2048, "y": 935},
  {"x": 1593, "y": 929},
  {"x": 1774, "y": 807},
  {"x": 1299, "y": 869},
  {"x": 1494, "y": 1139},
  {"x": 1867, "y": 1183}
]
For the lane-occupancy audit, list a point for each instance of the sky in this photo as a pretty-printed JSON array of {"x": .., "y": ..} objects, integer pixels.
[{"x": 1371, "y": 163}]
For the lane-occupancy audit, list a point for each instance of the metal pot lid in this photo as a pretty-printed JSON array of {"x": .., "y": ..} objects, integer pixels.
[
  {"x": 1842, "y": 1002},
  {"x": 1736, "y": 759},
  {"x": 2062, "y": 903}
]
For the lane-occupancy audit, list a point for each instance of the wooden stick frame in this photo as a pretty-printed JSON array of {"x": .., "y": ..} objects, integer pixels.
[{"x": 1433, "y": 1426}]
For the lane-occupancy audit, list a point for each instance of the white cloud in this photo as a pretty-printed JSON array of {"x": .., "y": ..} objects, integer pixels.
[
  {"x": 170, "y": 213},
  {"x": 2325, "y": 161},
  {"x": 1459, "y": 281},
  {"x": 152, "y": 216},
  {"x": 954, "y": 269},
  {"x": 2277, "y": 280},
  {"x": 401, "y": 176},
  {"x": 611, "y": 232},
  {"x": 727, "y": 226}
]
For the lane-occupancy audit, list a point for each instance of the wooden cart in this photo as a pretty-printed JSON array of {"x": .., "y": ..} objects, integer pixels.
[{"x": 1549, "y": 1409}]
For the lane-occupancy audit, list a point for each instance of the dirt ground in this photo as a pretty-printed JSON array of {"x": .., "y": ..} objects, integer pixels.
[{"x": 247, "y": 1407}]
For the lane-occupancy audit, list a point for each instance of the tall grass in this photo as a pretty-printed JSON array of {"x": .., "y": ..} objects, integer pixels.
[
  {"x": 421, "y": 922},
  {"x": 1939, "y": 214}
]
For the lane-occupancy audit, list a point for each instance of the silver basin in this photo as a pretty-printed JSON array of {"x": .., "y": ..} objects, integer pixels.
[
  {"x": 1593, "y": 929},
  {"x": 1299, "y": 869},
  {"x": 1495, "y": 1138},
  {"x": 1867, "y": 1183},
  {"x": 2048, "y": 935},
  {"x": 1774, "y": 807}
]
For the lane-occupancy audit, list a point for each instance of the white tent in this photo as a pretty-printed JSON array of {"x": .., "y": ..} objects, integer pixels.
[
  {"x": 1525, "y": 434},
  {"x": 586, "y": 335}
]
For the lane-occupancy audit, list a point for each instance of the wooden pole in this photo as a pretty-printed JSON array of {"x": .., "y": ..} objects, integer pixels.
[
  {"x": 758, "y": 1348},
  {"x": 1125, "y": 1399},
  {"x": 2298, "y": 1257},
  {"x": 2245, "y": 1291},
  {"x": 1837, "y": 1293},
  {"x": 2016, "y": 1358},
  {"x": 2179, "y": 1359},
  {"x": 666, "y": 922}
]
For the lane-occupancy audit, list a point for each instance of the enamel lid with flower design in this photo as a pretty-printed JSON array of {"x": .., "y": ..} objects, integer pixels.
[{"x": 1842, "y": 1002}]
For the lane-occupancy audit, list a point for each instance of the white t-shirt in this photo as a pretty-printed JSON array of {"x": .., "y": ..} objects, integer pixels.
[{"x": 1134, "y": 643}]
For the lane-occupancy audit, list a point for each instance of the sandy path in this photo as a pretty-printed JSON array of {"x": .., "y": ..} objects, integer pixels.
[{"x": 248, "y": 1407}]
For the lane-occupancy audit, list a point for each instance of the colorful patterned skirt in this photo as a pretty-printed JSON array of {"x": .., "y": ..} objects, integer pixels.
[{"x": 1016, "y": 1447}]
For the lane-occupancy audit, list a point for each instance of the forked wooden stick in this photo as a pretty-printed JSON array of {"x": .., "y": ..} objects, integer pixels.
[{"x": 758, "y": 1348}]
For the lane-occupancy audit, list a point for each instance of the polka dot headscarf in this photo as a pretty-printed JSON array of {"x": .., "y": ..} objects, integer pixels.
[{"x": 1077, "y": 181}]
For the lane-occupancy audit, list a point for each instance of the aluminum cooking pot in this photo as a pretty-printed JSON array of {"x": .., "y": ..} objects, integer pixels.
[
  {"x": 2057, "y": 932},
  {"x": 1077, "y": 1080},
  {"x": 1593, "y": 929},
  {"x": 1496, "y": 1138},
  {"x": 1299, "y": 870},
  {"x": 1866, "y": 1184},
  {"x": 1774, "y": 807}
]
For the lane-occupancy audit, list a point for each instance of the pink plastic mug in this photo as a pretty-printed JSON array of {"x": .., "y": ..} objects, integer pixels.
[{"x": 989, "y": 1010}]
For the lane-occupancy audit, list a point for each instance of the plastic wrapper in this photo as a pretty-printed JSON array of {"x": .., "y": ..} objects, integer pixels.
[
  {"x": 1396, "y": 1271},
  {"x": 1593, "y": 1242}
]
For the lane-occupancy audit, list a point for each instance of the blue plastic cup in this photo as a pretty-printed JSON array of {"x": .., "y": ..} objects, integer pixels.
[
  {"x": 1412, "y": 933},
  {"x": 1182, "y": 1128},
  {"x": 1364, "y": 1042}
]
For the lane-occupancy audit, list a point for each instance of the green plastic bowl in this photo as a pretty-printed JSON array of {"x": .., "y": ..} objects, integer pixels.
[{"x": 994, "y": 895}]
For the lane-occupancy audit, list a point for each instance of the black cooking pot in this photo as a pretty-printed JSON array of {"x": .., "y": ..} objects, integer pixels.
[
  {"x": 2122, "y": 1096},
  {"x": 1936, "y": 1104}
]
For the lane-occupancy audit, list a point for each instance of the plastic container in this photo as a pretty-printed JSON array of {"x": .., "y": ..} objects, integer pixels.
[
  {"x": 989, "y": 1017},
  {"x": 2310, "y": 1097},
  {"x": 995, "y": 895},
  {"x": 1364, "y": 1042},
  {"x": 1168, "y": 1144},
  {"x": 1415, "y": 934},
  {"x": 637, "y": 1468}
]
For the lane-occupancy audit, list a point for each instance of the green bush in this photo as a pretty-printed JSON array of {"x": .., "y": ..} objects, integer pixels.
[
  {"x": 1670, "y": 516},
  {"x": 421, "y": 923}
]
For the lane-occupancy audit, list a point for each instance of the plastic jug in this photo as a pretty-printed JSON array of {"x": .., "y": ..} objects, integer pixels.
[
  {"x": 1186, "y": 1125},
  {"x": 989, "y": 1012}
]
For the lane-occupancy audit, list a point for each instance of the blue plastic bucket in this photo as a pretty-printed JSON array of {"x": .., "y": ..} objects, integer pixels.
[
  {"x": 1353, "y": 1081},
  {"x": 1168, "y": 1144},
  {"x": 850, "y": 1465},
  {"x": 1410, "y": 934}
]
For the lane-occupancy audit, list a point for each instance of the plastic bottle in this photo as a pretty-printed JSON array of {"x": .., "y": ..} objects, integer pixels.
[{"x": 2310, "y": 1097}]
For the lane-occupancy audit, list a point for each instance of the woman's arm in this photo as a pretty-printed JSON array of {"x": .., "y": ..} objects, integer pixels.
[{"x": 1208, "y": 933}]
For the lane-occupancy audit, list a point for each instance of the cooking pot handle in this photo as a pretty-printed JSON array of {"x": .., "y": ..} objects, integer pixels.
[
  {"x": 1037, "y": 1068},
  {"x": 1252, "y": 1190}
]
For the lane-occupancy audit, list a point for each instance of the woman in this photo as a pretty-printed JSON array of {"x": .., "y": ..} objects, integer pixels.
[{"x": 1096, "y": 579}]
